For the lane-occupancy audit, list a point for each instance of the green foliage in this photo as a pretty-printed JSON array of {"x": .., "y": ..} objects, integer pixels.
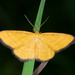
[{"x": 29, "y": 65}]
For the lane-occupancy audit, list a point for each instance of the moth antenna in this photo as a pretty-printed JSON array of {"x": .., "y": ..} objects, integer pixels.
[
  {"x": 44, "y": 21},
  {"x": 29, "y": 21}
]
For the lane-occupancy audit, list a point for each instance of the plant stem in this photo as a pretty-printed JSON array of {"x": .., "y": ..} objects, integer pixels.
[
  {"x": 39, "y": 15},
  {"x": 29, "y": 65}
]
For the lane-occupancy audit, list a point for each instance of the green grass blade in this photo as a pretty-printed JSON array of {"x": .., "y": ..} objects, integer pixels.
[
  {"x": 29, "y": 65},
  {"x": 39, "y": 15}
]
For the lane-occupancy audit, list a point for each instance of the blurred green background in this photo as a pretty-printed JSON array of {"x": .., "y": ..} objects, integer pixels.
[{"x": 62, "y": 19}]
